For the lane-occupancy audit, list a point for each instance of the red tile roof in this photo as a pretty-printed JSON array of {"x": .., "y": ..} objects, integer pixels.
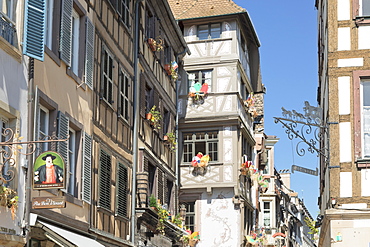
[{"x": 188, "y": 9}]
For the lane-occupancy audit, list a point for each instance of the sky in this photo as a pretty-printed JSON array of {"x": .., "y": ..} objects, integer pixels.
[{"x": 287, "y": 31}]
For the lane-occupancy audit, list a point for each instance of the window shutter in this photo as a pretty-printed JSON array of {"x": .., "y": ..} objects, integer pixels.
[
  {"x": 65, "y": 45},
  {"x": 105, "y": 180},
  {"x": 160, "y": 186},
  {"x": 89, "y": 59},
  {"x": 142, "y": 96},
  {"x": 34, "y": 29},
  {"x": 122, "y": 191},
  {"x": 63, "y": 132},
  {"x": 86, "y": 168}
]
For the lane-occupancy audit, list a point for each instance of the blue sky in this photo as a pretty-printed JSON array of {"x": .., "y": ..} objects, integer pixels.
[{"x": 287, "y": 31}]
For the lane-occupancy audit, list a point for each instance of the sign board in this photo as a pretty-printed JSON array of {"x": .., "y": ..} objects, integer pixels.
[
  {"x": 305, "y": 170},
  {"x": 48, "y": 202},
  {"x": 49, "y": 171}
]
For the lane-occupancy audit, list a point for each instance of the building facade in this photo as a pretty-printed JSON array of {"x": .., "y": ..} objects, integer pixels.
[
  {"x": 14, "y": 124},
  {"x": 216, "y": 123},
  {"x": 343, "y": 96},
  {"x": 95, "y": 75}
]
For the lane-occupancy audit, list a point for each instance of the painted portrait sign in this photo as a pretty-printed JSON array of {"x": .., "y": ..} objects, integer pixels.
[{"x": 49, "y": 171}]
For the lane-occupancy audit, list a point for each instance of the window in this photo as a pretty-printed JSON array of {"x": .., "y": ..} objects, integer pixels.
[
  {"x": 198, "y": 78},
  {"x": 166, "y": 121},
  {"x": 205, "y": 142},
  {"x": 75, "y": 41},
  {"x": 124, "y": 11},
  {"x": 267, "y": 167},
  {"x": 71, "y": 162},
  {"x": 365, "y": 96},
  {"x": 149, "y": 98},
  {"x": 151, "y": 179},
  {"x": 7, "y": 8},
  {"x": 190, "y": 215},
  {"x": 43, "y": 129},
  {"x": 104, "y": 180},
  {"x": 364, "y": 7},
  {"x": 107, "y": 77},
  {"x": 168, "y": 195},
  {"x": 49, "y": 23},
  {"x": 4, "y": 123},
  {"x": 209, "y": 31},
  {"x": 123, "y": 95},
  {"x": 122, "y": 190},
  {"x": 266, "y": 214},
  {"x": 150, "y": 25}
]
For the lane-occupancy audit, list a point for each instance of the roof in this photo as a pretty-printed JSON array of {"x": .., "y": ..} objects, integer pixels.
[{"x": 189, "y": 9}]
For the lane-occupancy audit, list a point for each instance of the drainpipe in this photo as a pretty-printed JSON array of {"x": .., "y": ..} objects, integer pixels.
[
  {"x": 136, "y": 117},
  {"x": 30, "y": 102}
]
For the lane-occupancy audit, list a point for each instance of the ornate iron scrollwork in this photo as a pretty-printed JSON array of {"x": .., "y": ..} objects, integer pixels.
[
  {"x": 11, "y": 147},
  {"x": 307, "y": 127}
]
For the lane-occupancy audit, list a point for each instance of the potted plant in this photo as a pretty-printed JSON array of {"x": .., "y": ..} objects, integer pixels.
[
  {"x": 154, "y": 116},
  {"x": 171, "y": 138},
  {"x": 153, "y": 202},
  {"x": 171, "y": 69},
  {"x": 162, "y": 218}
]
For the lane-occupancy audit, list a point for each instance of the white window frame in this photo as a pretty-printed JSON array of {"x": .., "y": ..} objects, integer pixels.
[
  {"x": 107, "y": 96},
  {"x": 123, "y": 94},
  {"x": 76, "y": 21},
  {"x": 266, "y": 212},
  {"x": 192, "y": 78},
  {"x": 49, "y": 23},
  {"x": 7, "y": 10},
  {"x": 44, "y": 132},
  {"x": 363, "y": 130},
  {"x": 72, "y": 162}
]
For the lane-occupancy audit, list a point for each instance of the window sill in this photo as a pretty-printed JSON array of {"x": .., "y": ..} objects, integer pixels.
[
  {"x": 104, "y": 210},
  {"x": 208, "y": 40},
  {"x": 362, "y": 20},
  {"x": 363, "y": 163},
  {"x": 79, "y": 82},
  {"x": 11, "y": 50},
  {"x": 70, "y": 198},
  {"x": 52, "y": 55},
  {"x": 209, "y": 164}
]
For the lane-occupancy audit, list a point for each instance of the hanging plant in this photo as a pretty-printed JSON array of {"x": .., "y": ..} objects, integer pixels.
[
  {"x": 198, "y": 92},
  {"x": 200, "y": 164},
  {"x": 171, "y": 69},
  {"x": 9, "y": 198}
]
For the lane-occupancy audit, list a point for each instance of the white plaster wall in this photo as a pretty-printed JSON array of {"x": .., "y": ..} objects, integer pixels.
[
  {"x": 353, "y": 232},
  {"x": 344, "y": 95},
  {"x": 345, "y": 184},
  {"x": 344, "y": 10},
  {"x": 345, "y": 144},
  {"x": 365, "y": 182},
  {"x": 219, "y": 221},
  {"x": 344, "y": 38},
  {"x": 350, "y": 62},
  {"x": 13, "y": 93},
  {"x": 363, "y": 37}
]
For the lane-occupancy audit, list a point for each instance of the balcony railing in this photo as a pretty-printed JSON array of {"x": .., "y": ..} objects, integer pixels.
[{"x": 7, "y": 29}]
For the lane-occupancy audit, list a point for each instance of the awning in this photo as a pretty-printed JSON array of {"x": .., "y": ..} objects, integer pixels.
[{"x": 67, "y": 238}]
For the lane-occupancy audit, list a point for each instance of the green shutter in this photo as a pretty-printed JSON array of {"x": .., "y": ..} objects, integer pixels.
[
  {"x": 63, "y": 132},
  {"x": 34, "y": 29},
  {"x": 122, "y": 190},
  {"x": 65, "y": 45},
  {"x": 86, "y": 168},
  {"x": 89, "y": 54},
  {"x": 105, "y": 180}
]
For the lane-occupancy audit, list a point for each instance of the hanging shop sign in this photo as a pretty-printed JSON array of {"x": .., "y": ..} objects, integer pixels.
[
  {"x": 48, "y": 202},
  {"x": 49, "y": 171},
  {"x": 305, "y": 170}
]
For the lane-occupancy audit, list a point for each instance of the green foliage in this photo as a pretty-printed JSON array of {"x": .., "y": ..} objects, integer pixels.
[
  {"x": 156, "y": 117},
  {"x": 153, "y": 201},
  {"x": 172, "y": 140},
  {"x": 311, "y": 224}
]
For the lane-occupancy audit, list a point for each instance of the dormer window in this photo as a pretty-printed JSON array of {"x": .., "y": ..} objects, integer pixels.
[{"x": 209, "y": 31}]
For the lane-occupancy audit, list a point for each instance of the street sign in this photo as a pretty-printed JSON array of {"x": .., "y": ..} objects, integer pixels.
[{"x": 305, "y": 170}]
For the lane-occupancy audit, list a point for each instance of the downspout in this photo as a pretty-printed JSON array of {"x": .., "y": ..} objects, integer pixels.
[
  {"x": 30, "y": 102},
  {"x": 136, "y": 117},
  {"x": 177, "y": 123}
]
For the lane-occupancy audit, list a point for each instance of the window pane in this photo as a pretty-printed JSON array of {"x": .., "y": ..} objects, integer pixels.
[
  {"x": 200, "y": 147},
  {"x": 215, "y": 31},
  {"x": 366, "y": 93},
  {"x": 365, "y": 7},
  {"x": 203, "y": 32}
]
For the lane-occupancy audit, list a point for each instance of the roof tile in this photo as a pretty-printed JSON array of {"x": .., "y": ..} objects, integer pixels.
[{"x": 188, "y": 9}]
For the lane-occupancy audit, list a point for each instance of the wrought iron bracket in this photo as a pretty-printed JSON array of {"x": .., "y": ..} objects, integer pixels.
[
  {"x": 11, "y": 147},
  {"x": 309, "y": 128}
]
